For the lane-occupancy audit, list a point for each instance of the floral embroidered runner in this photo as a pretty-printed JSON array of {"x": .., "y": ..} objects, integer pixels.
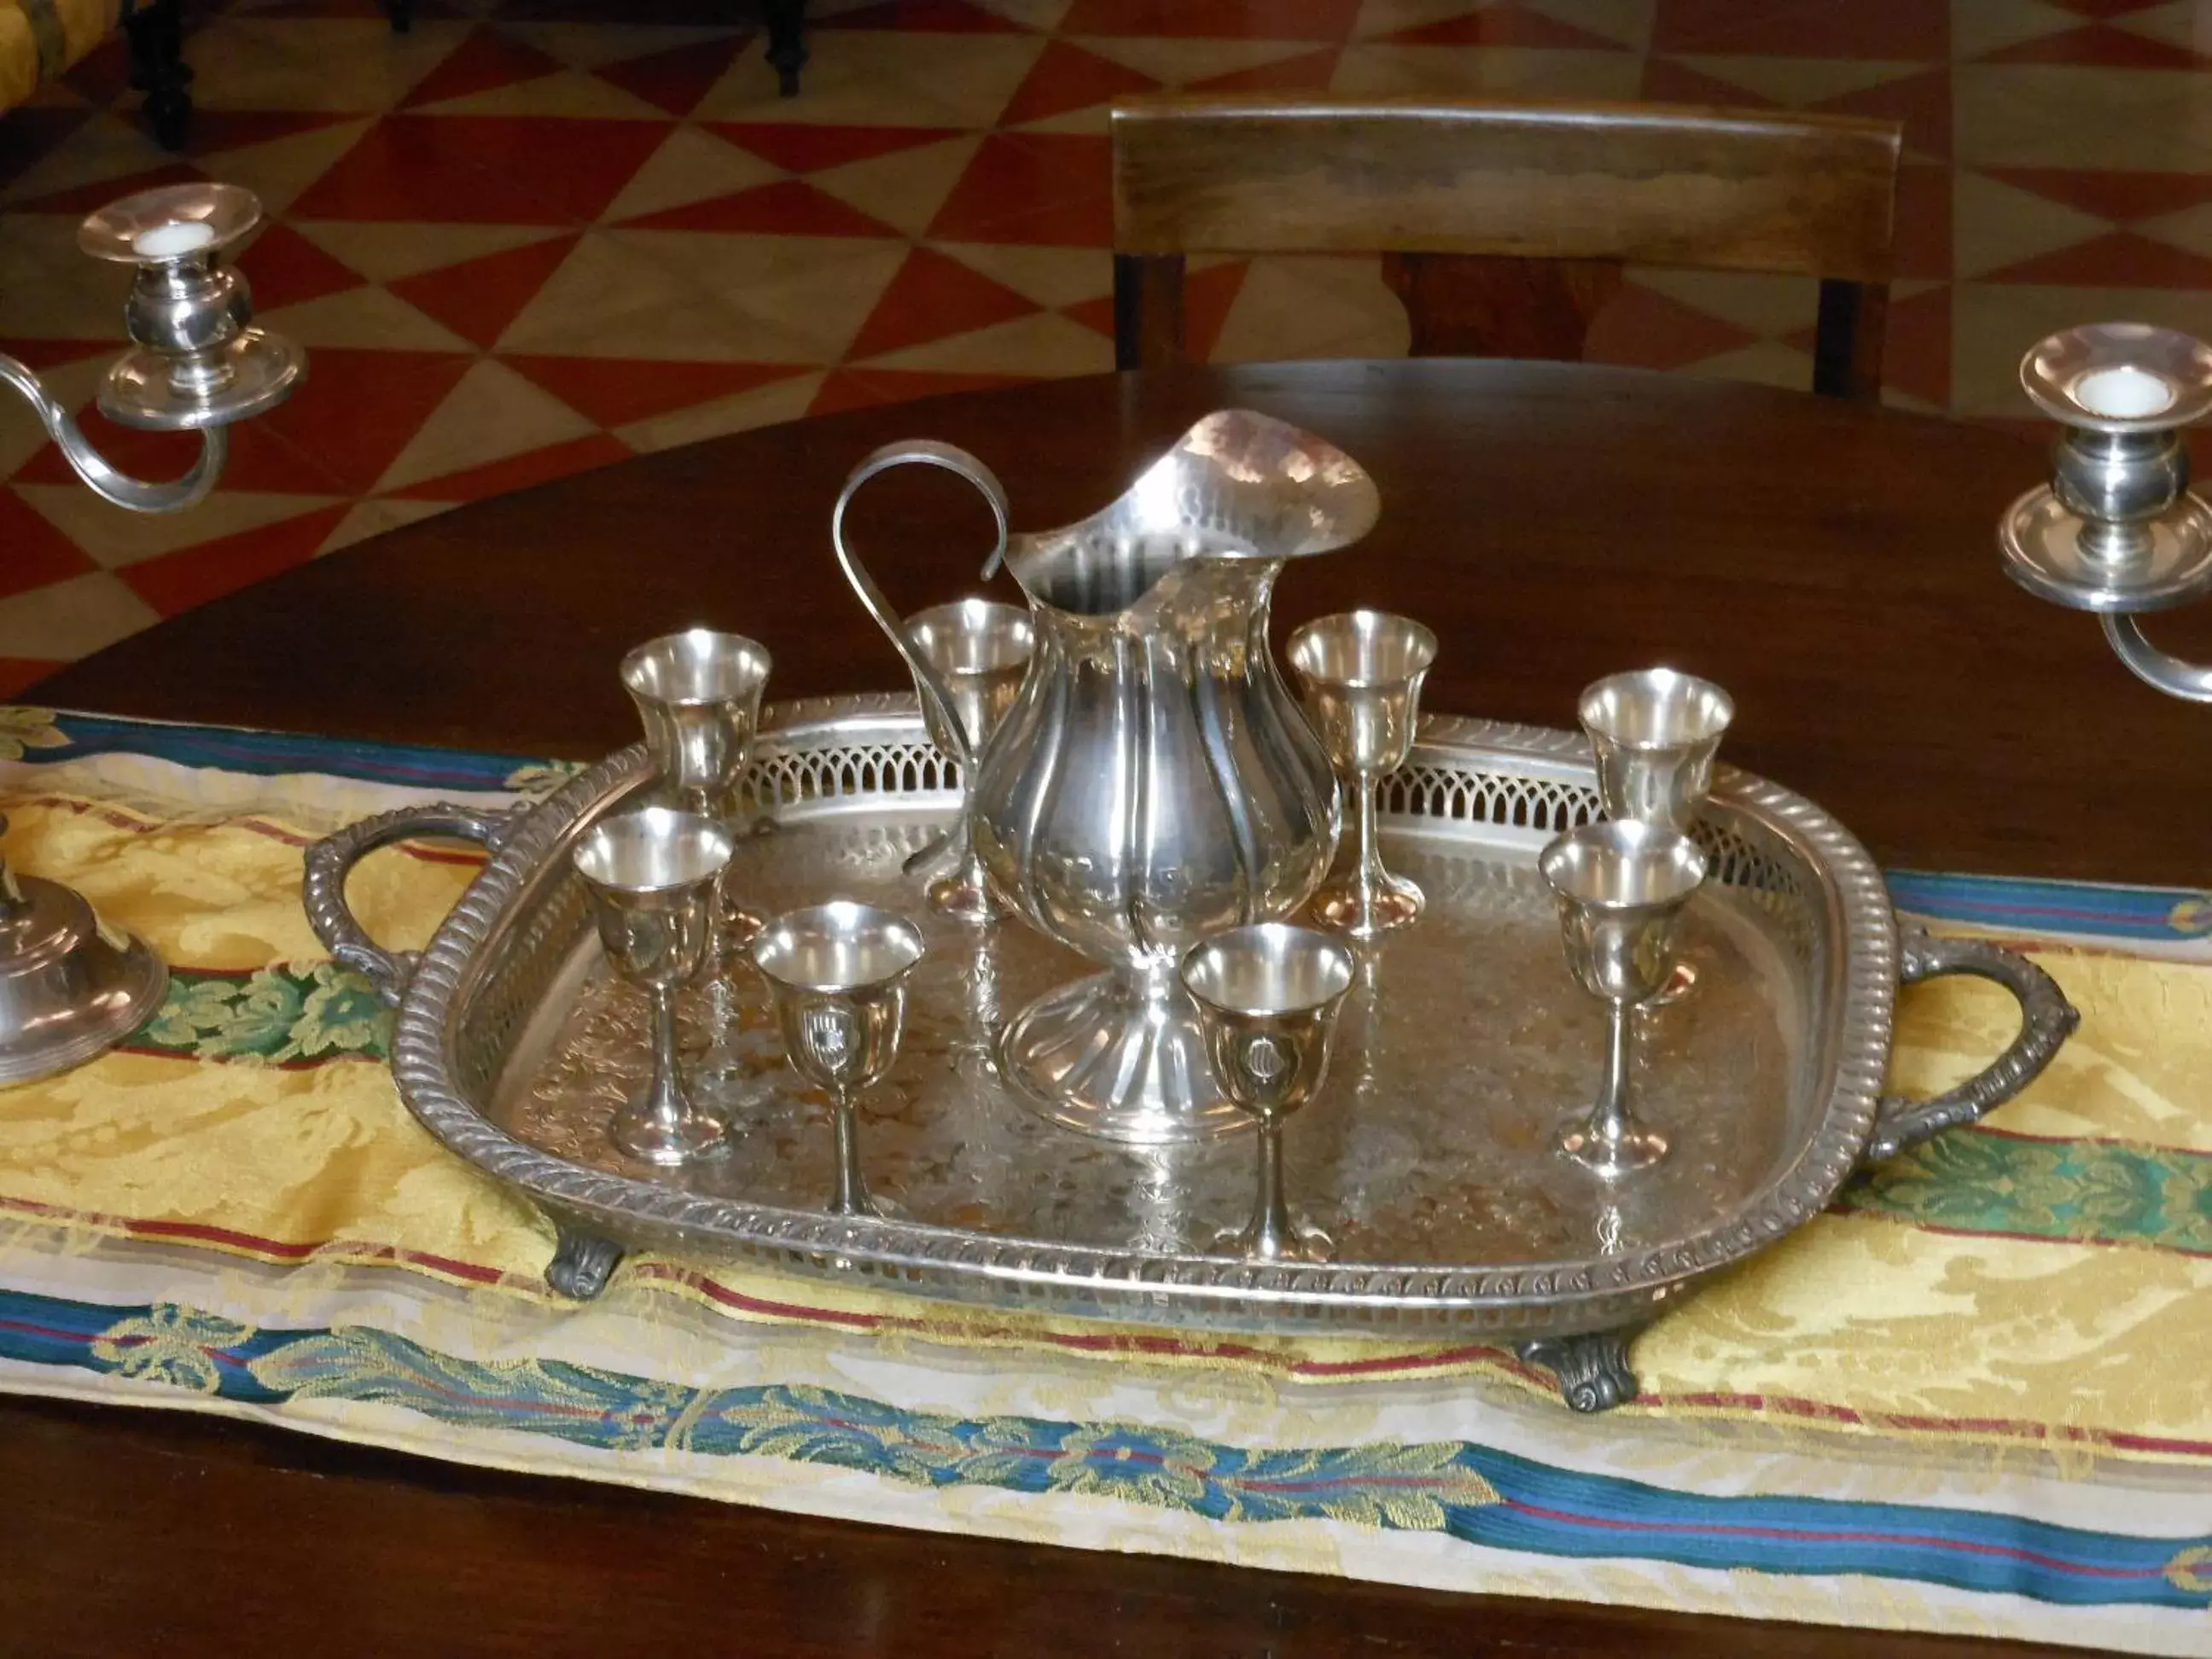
[{"x": 1977, "y": 1396}]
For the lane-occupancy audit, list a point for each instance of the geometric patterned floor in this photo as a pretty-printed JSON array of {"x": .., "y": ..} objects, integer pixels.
[{"x": 534, "y": 236}]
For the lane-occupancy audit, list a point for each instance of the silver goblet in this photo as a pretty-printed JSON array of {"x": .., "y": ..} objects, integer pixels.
[
  {"x": 981, "y": 650},
  {"x": 1619, "y": 886},
  {"x": 1362, "y": 672},
  {"x": 1654, "y": 734},
  {"x": 652, "y": 873},
  {"x": 1267, "y": 998},
  {"x": 837, "y": 972}
]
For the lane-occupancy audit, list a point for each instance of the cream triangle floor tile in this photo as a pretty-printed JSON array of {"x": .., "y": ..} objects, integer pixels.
[
  {"x": 1763, "y": 304},
  {"x": 111, "y": 145},
  {"x": 1994, "y": 324},
  {"x": 691, "y": 166},
  {"x": 49, "y": 289},
  {"x": 1380, "y": 70},
  {"x": 606, "y": 275},
  {"x": 279, "y": 170},
  {"x": 1378, "y": 18},
  {"x": 821, "y": 311},
  {"x": 1994, "y": 224},
  {"x": 316, "y": 64},
  {"x": 1799, "y": 81},
  {"x": 904, "y": 189},
  {"x": 571, "y": 95},
  {"x": 2180, "y": 23},
  {"x": 1981, "y": 26},
  {"x": 371, "y": 317},
  {"x": 1893, "y": 398},
  {"x": 1177, "y": 62},
  {"x": 1768, "y": 362},
  {"x": 736, "y": 265},
  {"x": 1049, "y": 275},
  {"x": 1040, "y": 14},
  {"x": 1628, "y": 22},
  {"x": 67, "y": 620},
  {"x": 1094, "y": 120},
  {"x": 885, "y": 78},
  {"x": 701, "y": 329},
  {"x": 762, "y": 406},
  {"x": 1043, "y": 344},
  {"x": 1293, "y": 307},
  {"x": 2191, "y": 228},
  {"x": 2063, "y": 115},
  {"x": 492, "y": 414},
  {"x": 384, "y": 251},
  {"x": 603, "y": 40},
  {"x": 116, "y": 538},
  {"x": 375, "y": 516}
]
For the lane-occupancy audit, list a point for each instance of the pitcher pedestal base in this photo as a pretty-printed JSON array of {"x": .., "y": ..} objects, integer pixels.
[{"x": 1119, "y": 1057}]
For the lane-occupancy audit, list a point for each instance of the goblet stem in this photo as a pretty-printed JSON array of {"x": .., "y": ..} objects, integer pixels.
[
  {"x": 664, "y": 1104},
  {"x": 1610, "y": 1141},
  {"x": 1373, "y": 879},
  {"x": 1271, "y": 1234},
  {"x": 1609, "y": 1118},
  {"x": 664, "y": 1128},
  {"x": 852, "y": 1195}
]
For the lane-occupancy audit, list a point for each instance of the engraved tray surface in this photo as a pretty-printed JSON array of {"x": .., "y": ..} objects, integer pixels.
[{"x": 1428, "y": 1156}]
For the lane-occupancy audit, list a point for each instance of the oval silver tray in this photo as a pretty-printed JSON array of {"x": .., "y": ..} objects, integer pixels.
[{"x": 1428, "y": 1156}]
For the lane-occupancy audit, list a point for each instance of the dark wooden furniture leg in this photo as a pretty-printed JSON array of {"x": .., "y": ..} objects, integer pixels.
[
  {"x": 786, "y": 42},
  {"x": 402, "y": 14},
  {"x": 155, "y": 29}
]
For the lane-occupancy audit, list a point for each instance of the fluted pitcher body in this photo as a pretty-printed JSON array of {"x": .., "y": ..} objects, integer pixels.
[{"x": 1155, "y": 781}]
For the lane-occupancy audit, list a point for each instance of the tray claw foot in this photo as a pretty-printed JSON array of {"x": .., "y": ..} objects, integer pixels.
[
  {"x": 582, "y": 1263},
  {"x": 1592, "y": 1369}
]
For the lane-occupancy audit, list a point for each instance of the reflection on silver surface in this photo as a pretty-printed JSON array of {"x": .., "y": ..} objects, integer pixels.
[{"x": 981, "y": 651}]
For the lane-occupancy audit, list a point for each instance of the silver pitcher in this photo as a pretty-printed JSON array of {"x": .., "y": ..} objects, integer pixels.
[{"x": 1155, "y": 781}]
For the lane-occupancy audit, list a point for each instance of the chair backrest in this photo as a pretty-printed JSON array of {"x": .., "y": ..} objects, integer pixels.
[{"x": 1462, "y": 194}]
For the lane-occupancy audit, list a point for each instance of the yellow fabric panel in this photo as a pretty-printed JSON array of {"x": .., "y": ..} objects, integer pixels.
[{"x": 39, "y": 39}]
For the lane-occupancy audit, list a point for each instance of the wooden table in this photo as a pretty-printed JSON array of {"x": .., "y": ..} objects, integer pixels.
[{"x": 1833, "y": 565}]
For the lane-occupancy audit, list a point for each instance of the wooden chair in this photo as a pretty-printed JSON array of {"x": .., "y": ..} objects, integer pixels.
[{"x": 1504, "y": 224}]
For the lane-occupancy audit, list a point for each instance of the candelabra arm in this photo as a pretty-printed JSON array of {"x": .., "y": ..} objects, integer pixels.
[
  {"x": 2170, "y": 674},
  {"x": 136, "y": 494}
]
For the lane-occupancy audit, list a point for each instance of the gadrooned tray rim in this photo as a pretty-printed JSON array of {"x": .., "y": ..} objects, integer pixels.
[{"x": 1132, "y": 1286}]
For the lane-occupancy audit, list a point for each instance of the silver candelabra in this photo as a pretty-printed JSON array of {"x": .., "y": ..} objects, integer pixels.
[{"x": 69, "y": 986}]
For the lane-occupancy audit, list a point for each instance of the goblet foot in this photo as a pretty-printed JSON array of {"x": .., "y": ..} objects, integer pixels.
[
  {"x": 1303, "y": 1242},
  {"x": 1119, "y": 1055},
  {"x": 1388, "y": 902},
  {"x": 952, "y": 876},
  {"x": 668, "y": 1142},
  {"x": 1613, "y": 1156}
]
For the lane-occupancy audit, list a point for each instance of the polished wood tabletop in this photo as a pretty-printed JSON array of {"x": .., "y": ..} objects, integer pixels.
[{"x": 1833, "y": 565}]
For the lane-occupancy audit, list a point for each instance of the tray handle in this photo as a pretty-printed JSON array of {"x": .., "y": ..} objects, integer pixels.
[
  {"x": 331, "y": 860},
  {"x": 2047, "y": 1020}
]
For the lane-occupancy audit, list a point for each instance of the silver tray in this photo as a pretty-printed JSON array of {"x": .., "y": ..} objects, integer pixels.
[{"x": 1428, "y": 1156}]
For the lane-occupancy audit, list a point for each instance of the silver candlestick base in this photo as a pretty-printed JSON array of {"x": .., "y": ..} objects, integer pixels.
[{"x": 70, "y": 986}]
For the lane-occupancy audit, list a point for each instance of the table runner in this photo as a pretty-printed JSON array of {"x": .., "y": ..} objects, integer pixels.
[{"x": 1975, "y": 1397}]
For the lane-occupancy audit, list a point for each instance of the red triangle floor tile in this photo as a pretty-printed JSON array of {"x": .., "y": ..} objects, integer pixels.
[
  {"x": 103, "y": 75},
  {"x": 1641, "y": 328},
  {"x": 19, "y": 674},
  {"x": 477, "y": 298},
  {"x": 675, "y": 80},
  {"x": 1066, "y": 77},
  {"x": 357, "y": 410},
  {"x": 933, "y": 297},
  {"x": 1806, "y": 28},
  {"x": 524, "y": 472},
  {"x": 930, "y": 17},
  {"x": 805, "y": 147},
  {"x": 2119, "y": 259},
  {"x": 1922, "y": 245},
  {"x": 285, "y": 268},
  {"x": 214, "y": 130},
  {"x": 193, "y": 575},
  {"x": 789, "y": 207},
  {"x": 85, "y": 199},
  {"x": 615, "y": 390},
  {"x": 37, "y": 553},
  {"x": 447, "y": 169},
  {"x": 1922, "y": 102},
  {"x": 862, "y": 388},
  {"x": 2101, "y": 45},
  {"x": 2123, "y": 197},
  {"x": 1032, "y": 187},
  {"x": 1310, "y": 71},
  {"x": 1230, "y": 19},
  {"x": 488, "y": 59},
  {"x": 1505, "y": 25},
  {"x": 1206, "y": 297},
  {"x": 259, "y": 458},
  {"x": 43, "y": 355}
]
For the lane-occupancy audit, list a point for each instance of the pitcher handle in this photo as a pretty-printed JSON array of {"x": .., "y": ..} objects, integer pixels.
[{"x": 922, "y": 452}]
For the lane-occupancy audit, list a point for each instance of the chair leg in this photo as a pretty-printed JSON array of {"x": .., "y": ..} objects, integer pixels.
[
  {"x": 154, "y": 30},
  {"x": 402, "y": 14},
  {"x": 786, "y": 42}
]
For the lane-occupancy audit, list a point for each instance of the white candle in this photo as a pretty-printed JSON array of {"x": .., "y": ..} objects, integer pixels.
[
  {"x": 168, "y": 241},
  {"x": 2123, "y": 393}
]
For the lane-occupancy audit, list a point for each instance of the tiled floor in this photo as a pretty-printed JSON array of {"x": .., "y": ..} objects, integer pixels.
[{"x": 537, "y": 235}]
